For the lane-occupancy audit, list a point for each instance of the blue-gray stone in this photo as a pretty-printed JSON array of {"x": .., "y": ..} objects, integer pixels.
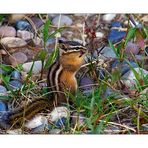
[
  {"x": 2, "y": 89},
  {"x": 116, "y": 24},
  {"x": 115, "y": 35},
  {"x": 15, "y": 84},
  {"x": 23, "y": 25},
  {"x": 124, "y": 66},
  {"x": 16, "y": 75},
  {"x": 61, "y": 122},
  {"x": 3, "y": 106}
]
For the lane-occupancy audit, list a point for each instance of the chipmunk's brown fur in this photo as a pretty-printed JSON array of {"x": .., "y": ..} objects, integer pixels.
[{"x": 60, "y": 79}]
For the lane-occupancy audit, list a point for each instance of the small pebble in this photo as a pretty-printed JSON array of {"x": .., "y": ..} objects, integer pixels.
[
  {"x": 108, "y": 52},
  {"x": 37, "y": 22},
  {"x": 25, "y": 35},
  {"x": 7, "y": 31},
  {"x": 116, "y": 35},
  {"x": 15, "y": 132},
  {"x": 3, "y": 90},
  {"x": 145, "y": 127},
  {"x": 129, "y": 77},
  {"x": 12, "y": 42},
  {"x": 65, "y": 20},
  {"x": 36, "y": 67},
  {"x": 123, "y": 66},
  {"x": 2, "y": 106},
  {"x": 37, "y": 124},
  {"x": 50, "y": 44},
  {"x": 86, "y": 85},
  {"x": 58, "y": 113},
  {"x": 55, "y": 131},
  {"x": 108, "y": 17},
  {"x": 23, "y": 25},
  {"x": 15, "y": 84},
  {"x": 131, "y": 48},
  {"x": 16, "y": 75},
  {"x": 16, "y": 17},
  {"x": 17, "y": 58},
  {"x": 61, "y": 122}
]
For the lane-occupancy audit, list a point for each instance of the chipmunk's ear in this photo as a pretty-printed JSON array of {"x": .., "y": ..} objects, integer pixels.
[{"x": 62, "y": 47}]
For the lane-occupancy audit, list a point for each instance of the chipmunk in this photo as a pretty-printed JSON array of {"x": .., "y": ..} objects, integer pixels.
[{"x": 60, "y": 78}]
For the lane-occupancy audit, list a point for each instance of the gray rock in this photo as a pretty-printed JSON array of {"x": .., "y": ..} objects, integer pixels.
[
  {"x": 131, "y": 48},
  {"x": 37, "y": 22},
  {"x": 65, "y": 20},
  {"x": 12, "y": 42},
  {"x": 86, "y": 85},
  {"x": 36, "y": 68},
  {"x": 108, "y": 52},
  {"x": 129, "y": 78},
  {"x": 7, "y": 31},
  {"x": 3, "y": 90},
  {"x": 2, "y": 106},
  {"x": 25, "y": 35},
  {"x": 55, "y": 131},
  {"x": 17, "y": 58},
  {"x": 15, "y": 84},
  {"x": 108, "y": 17},
  {"x": 145, "y": 127},
  {"x": 16, "y": 75}
]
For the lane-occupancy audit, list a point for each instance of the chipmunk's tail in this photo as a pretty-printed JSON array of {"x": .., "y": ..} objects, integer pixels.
[{"x": 15, "y": 118}]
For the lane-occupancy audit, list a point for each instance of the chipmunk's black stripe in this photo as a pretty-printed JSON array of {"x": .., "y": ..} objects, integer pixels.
[
  {"x": 73, "y": 43},
  {"x": 76, "y": 48}
]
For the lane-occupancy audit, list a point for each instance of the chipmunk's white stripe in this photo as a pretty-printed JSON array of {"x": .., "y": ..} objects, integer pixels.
[
  {"x": 53, "y": 70},
  {"x": 57, "y": 76}
]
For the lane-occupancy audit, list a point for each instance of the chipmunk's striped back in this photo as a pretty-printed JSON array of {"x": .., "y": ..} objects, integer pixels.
[{"x": 60, "y": 80}]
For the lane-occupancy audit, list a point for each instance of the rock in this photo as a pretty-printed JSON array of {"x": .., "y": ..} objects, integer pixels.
[
  {"x": 15, "y": 84},
  {"x": 50, "y": 44},
  {"x": 16, "y": 75},
  {"x": 38, "y": 41},
  {"x": 129, "y": 78},
  {"x": 13, "y": 42},
  {"x": 123, "y": 66},
  {"x": 86, "y": 85},
  {"x": 37, "y": 22},
  {"x": 23, "y": 25},
  {"x": 14, "y": 132},
  {"x": 55, "y": 131},
  {"x": 145, "y": 127},
  {"x": 108, "y": 17},
  {"x": 7, "y": 31},
  {"x": 3, "y": 90},
  {"x": 36, "y": 67},
  {"x": 37, "y": 124},
  {"x": 58, "y": 113},
  {"x": 99, "y": 35},
  {"x": 108, "y": 52},
  {"x": 131, "y": 48},
  {"x": 65, "y": 20},
  {"x": 61, "y": 122},
  {"x": 3, "y": 106},
  {"x": 16, "y": 17},
  {"x": 78, "y": 119},
  {"x": 25, "y": 35},
  {"x": 116, "y": 35},
  {"x": 17, "y": 58}
]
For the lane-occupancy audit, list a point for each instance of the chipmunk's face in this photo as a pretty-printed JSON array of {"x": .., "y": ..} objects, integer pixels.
[{"x": 72, "y": 53}]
